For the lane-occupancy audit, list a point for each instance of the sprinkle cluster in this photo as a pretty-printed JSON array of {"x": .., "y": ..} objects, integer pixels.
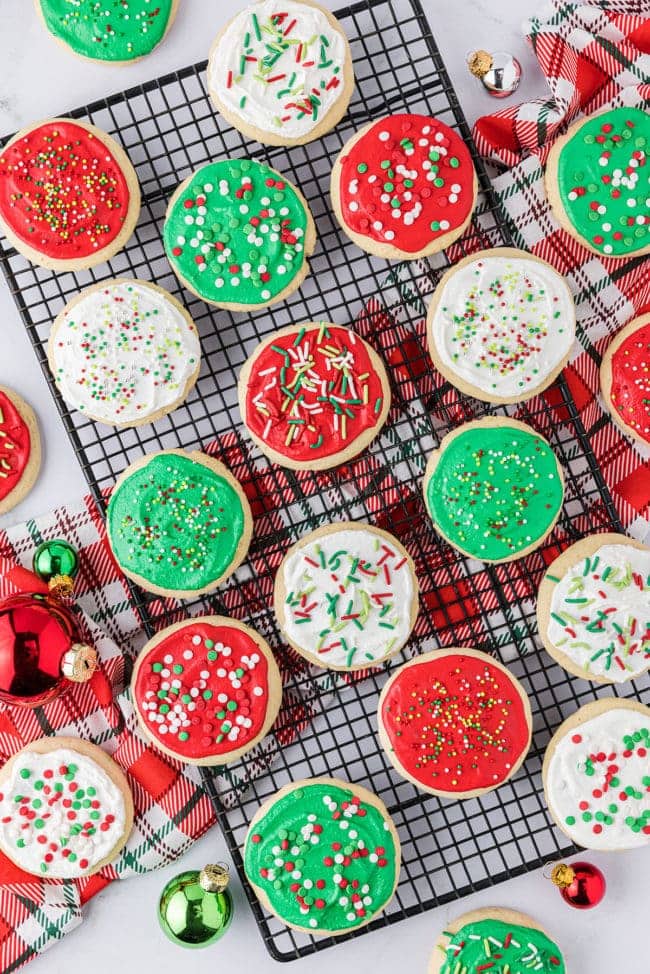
[
  {"x": 630, "y": 389},
  {"x": 500, "y": 948},
  {"x": 15, "y": 445}
]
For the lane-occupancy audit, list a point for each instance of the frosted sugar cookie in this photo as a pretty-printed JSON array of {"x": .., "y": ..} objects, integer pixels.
[
  {"x": 281, "y": 72},
  {"x": 323, "y": 856},
  {"x": 404, "y": 187},
  {"x": 238, "y": 234},
  {"x": 597, "y": 775},
  {"x": 346, "y": 596},
  {"x": 593, "y": 609},
  {"x": 20, "y": 449},
  {"x": 65, "y": 808},
  {"x": 625, "y": 378},
  {"x": 124, "y": 352},
  {"x": 501, "y": 324},
  {"x": 455, "y": 722},
  {"x": 69, "y": 196}
]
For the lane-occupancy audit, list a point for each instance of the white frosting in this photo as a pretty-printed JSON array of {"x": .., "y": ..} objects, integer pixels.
[
  {"x": 606, "y": 628},
  {"x": 55, "y": 814},
  {"x": 300, "y": 58},
  {"x": 123, "y": 353},
  {"x": 502, "y": 324},
  {"x": 348, "y": 574},
  {"x": 618, "y": 769}
]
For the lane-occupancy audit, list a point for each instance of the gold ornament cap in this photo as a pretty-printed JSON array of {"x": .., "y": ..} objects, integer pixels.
[
  {"x": 79, "y": 663},
  {"x": 562, "y": 875},
  {"x": 61, "y": 586},
  {"x": 479, "y": 63},
  {"x": 214, "y": 878}
]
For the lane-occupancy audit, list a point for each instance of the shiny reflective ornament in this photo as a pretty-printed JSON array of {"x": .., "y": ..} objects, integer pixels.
[
  {"x": 581, "y": 884},
  {"x": 500, "y": 72},
  {"x": 195, "y": 907},
  {"x": 41, "y": 649},
  {"x": 57, "y": 562}
]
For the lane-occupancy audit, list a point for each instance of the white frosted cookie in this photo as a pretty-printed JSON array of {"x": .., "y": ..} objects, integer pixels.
[
  {"x": 65, "y": 808},
  {"x": 124, "y": 352},
  {"x": 281, "y": 72},
  {"x": 501, "y": 325},
  {"x": 346, "y": 596},
  {"x": 593, "y": 609},
  {"x": 597, "y": 775}
]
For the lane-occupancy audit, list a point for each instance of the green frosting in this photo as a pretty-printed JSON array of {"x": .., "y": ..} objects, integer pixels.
[
  {"x": 325, "y": 859},
  {"x": 495, "y": 491},
  {"x": 175, "y": 522},
  {"x": 603, "y": 178},
  {"x": 236, "y": 232},
  {"x": 500, "y": 948},
  {"x": 108, "y": 30}
]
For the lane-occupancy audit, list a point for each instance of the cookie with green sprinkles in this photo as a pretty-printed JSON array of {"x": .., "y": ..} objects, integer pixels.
[
  {"x": 66, "y": 808},
  {"x": 593, "y": 609},
  {"x": 323, "y": 856},
  {"x": 596, "y": 774},
  {"x": 238, "y": 234},
  {"x": 206, "y": 690},
  {"x": 498, "y": 941},
  {"x": 494, "y": 489}
]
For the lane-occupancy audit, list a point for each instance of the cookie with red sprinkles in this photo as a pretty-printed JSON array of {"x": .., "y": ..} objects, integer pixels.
[
  {"x": 206, "y": 690},
  {"x": 69, "y": 196},
  {"x": 625, "y": 378},
  {"x": 404, "y": 187},
  {"x": 20, "y": 449},
  {"x": 455, "y": 722},
  {"x": 65, "y": 808}
]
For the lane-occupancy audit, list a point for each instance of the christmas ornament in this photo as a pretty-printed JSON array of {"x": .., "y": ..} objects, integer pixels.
[
  {"x": 57, "y": 562},
  {"x": 581, "y": 884},
  {"x": 500, "y": 72},
  {"x": 195, "y": 907},
  {"x": 41, "y": 648}
]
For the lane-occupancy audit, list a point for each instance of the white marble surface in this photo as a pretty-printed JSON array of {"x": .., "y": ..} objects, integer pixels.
[{"x": 39, "y": 79}]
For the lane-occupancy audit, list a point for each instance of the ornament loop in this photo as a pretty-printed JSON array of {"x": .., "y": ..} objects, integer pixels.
[
  {"x": 79, "y": 663},
  {"x": 214, "y": 877},
  {"x": 562, "y": 875}
]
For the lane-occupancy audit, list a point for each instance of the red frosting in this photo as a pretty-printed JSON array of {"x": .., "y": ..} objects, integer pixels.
[
  {"x": 62, "y": 192},
  {"x": 630, "y": 391},
  {"x": 456, "y": 723},
  {"x": 408, "y": 180},
  {"x": 312, "y": 392},
  {"x": 15, "y": 446},
  {"x": 207, "y": 686}
]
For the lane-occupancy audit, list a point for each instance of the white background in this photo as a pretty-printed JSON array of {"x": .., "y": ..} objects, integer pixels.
[{"x": 39, "y": 78}]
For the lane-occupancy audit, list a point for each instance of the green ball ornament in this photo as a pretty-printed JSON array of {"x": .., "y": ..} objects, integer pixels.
[
  {"x": 195, "y": 908},
  {"x": 53, "y": 558}
]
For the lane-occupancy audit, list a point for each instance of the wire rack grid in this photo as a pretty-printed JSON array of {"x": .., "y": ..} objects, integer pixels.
[{"x": 168, "y": 128}]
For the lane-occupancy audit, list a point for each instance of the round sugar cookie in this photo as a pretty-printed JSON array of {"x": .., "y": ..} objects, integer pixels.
[
  {"x": 124, "y": 352},
  {"x": 346, "y": 596},
  {"x": 110, "y": 33},
  {"x": 69, "y": 196},
  {"x": 20, "y": 449},
  {"x": 347, "y": 863},
  {"x": 206, "y": 690},
  {"x": 404, "y": 186},
  {"x": 494, "y": 489},
  {"x": 178, "y": 523},
  {"x": 313, "y": 396},
  {"x": 598, "y": 182},
  {"x": 455, "y": 722},
  {"x": 596, "y": 775},
  {"x": 65, "y": 808},
  {"x": 281, "y": 72},
  {"x": 238, "y": 234},
  {"x": 500, "y": 325},
  {"x": 593, "y": 609},
  {"x": 482, "y": 939},
  {"x": 625, "y": 378}
]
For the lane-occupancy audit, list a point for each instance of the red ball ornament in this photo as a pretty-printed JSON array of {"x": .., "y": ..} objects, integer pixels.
[
  {"x": 41, "y": 649},
  {"x": 580, "y": 884}
]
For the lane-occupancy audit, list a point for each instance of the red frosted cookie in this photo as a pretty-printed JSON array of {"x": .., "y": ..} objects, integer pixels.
[
  {"x": 20, "y": 449},
  {"x": 455, "y": 722},
  {"x": 206, "y": 690},
  {"x": 625, "y": 378},
  {"x": 313, "y": 396},
  {"x": 69, "y": 197},
  {"x": 404, "y": 186}
]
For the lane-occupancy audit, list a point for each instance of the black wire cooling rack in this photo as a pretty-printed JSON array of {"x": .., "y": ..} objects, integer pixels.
[{"x": 168, "y": 128}]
